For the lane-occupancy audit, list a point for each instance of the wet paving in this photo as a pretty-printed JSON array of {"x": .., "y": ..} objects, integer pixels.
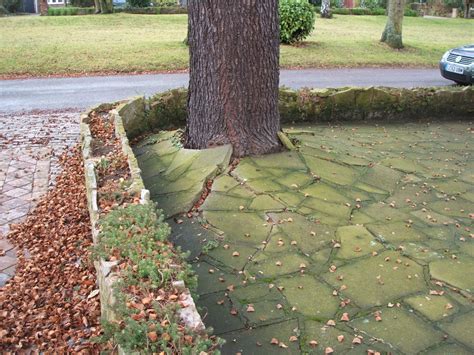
[{"x": 361, "y": 241}]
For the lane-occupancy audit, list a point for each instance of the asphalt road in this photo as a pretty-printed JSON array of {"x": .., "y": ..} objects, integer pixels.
[{"x": 83, "y": 92}]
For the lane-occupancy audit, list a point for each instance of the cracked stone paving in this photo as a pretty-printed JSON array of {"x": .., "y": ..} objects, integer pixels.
[{"x": 360, "y": 240}]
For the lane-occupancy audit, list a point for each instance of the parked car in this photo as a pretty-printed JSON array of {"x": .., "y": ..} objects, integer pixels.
[{"x": 458, "y": 64}]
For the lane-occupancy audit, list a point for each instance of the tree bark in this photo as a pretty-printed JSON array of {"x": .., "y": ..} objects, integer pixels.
[
  {"x": 43, "y": 7},
  {"x": 97, "y": 6},
  {"x": 467, "y": 6},
  {"x": 392, "y": 35},
  {"x": 326, "y": 9},
  {"x": 234, "y": 75}
]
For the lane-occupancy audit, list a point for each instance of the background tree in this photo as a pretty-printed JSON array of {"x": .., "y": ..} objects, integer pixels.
[
  {"x": 326, "y": 9},
  {"x": 234, "y": 75},
  {"x": 392, "y": 35},
  {"x": 103, "y": 6}
]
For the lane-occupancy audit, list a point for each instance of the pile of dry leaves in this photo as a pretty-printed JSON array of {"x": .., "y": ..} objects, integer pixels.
[{"x": 52, "y": 302}]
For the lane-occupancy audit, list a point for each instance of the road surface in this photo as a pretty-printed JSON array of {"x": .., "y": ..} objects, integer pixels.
[{"x": 83, "y": 92}]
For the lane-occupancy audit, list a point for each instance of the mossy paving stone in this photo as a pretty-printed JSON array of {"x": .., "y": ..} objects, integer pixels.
[
  {"x": 399, "y": 329},
  {"x": 325, "y": 192},
  {"x": 404, "y": 164},
  {"x": 447, "y": 349},
  {"x": 271, "y": 266},
  {"x": 265, "y": 203},
  {"x": 370, "y": 189},
  {"x": 153, "y": 166},
  {"x": 456, "y": 272},
  {"x": 212, "y": 278},
  {"x": 248, "y": 171},
  {"x": 453, "y": 208},
  {"x": 356, "y": 241},
  {"x": 179, "y": 202},
  {"x": 461, "y": 328},
  {"x": 264, "y": 186},
  {"x": 395, "y": 232},
  {"x": 433, "y": 307},
  {"x": 244, "y": 227},
  {"x": 258, "y": 340},
  {"x": 290, "y": 199},
  {"x": 181, "y": 162},
  {"x": 422, "y": 253},
  {"x": 372, "y": 281},
  {"x": 162, "y": 186},
  {"x": 263, "y": 300},
  {"x": 224, "y": 183},
  {"x": 241, "y": 191},
  {"x": 190, "y": 236},
  {"x": 453, "y": 187},
  {"x": 299, "y": 230},
  {"x": 218, "y": 156},
  {"x": 295, "y": 180},
  {"x": 215, "y": 310},
  {"x": 335, "y": 173},
  {"x": 382, "y": 177},
  {"x": 286, "y": 160},
  {"x": 408, "y": 194},
  {"x": 338, "y": 210},
  {"x": 327, "y": 336},
  {"x": 233, "y": 256},
  {"x": 431, "y": 218},
  {"x": 310, "y": 297},
  {"x": 218, "y": 201},
  {"x": 379, "y": 211}
]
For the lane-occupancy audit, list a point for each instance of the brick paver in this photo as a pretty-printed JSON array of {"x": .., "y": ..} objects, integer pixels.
[{"x": 30, "y": 146}]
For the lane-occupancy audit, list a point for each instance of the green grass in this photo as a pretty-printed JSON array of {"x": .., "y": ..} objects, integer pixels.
[{"x": 137, "y": 43}]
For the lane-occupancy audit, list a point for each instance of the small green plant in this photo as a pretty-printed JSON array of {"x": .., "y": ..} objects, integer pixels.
[
  {"x": 138, "y": 236},
  {"x": 296, "y": 20}
]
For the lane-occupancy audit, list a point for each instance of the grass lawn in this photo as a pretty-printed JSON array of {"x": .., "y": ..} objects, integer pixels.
[{"x": 36, "y": 45}]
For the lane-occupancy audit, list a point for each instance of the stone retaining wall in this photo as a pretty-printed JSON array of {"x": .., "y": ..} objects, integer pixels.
[
  {"x": 168, "y": 109},
  {"x": 128, "y": 118}
]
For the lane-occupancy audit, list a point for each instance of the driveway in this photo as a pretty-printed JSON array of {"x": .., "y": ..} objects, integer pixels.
[{"x": 62, "y": 93}]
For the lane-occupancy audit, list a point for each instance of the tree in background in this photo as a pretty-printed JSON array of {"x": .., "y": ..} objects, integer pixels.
[
  {"x": 326, "y": 9},
  {"x": 234, "y": 75},
  {"x": 392, "y": 34},
  {"x": 103, "y": 6}
]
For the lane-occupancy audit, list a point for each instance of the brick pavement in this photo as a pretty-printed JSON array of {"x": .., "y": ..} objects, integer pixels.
[{"x": 30, "y": 146}]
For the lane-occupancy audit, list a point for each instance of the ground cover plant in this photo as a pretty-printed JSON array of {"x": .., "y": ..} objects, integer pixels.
[
  {"x": 148, "y": 267},
  {"x": 139, "y": 43}
]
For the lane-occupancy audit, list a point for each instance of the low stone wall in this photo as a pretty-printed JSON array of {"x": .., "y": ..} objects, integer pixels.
[
  {"x": 168, "y": 109},
  {"x": 128, "y": 117}
]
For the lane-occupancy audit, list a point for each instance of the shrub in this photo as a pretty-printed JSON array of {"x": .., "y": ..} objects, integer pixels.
[
  {"x": 410, "y": 13},
  {"x": 138, "y": 3},
  {"x": 70, "y": 11},
  {"x": 12, "y": 5},
  {"x": 3, "y": 11},
  {"x": 296, "y": 20}
]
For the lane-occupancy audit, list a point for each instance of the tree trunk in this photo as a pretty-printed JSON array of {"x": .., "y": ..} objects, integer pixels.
[
  {"x": 97, "y": 6},
  {"x": 392, "y": 35},
  {"x": 234, "y": 74},
  {"x": 43, "y": 7},
  {"x": 326, "y": 9},
  {"x": 467, "y": 6},
  {"x": 106, "y": 6}
]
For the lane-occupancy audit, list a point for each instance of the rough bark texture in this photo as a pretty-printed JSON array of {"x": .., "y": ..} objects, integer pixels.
[
  {"x": 326, "y": 9},
  {"x": 234, "y": 75},
  {"x": 43, "y": 7},
  {"x": 467, "y": 6},
  {"x": 392, "y": 35}
]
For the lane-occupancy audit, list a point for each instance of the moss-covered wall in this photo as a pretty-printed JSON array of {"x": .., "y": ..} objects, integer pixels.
[{"x": 168, "y": 109}]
